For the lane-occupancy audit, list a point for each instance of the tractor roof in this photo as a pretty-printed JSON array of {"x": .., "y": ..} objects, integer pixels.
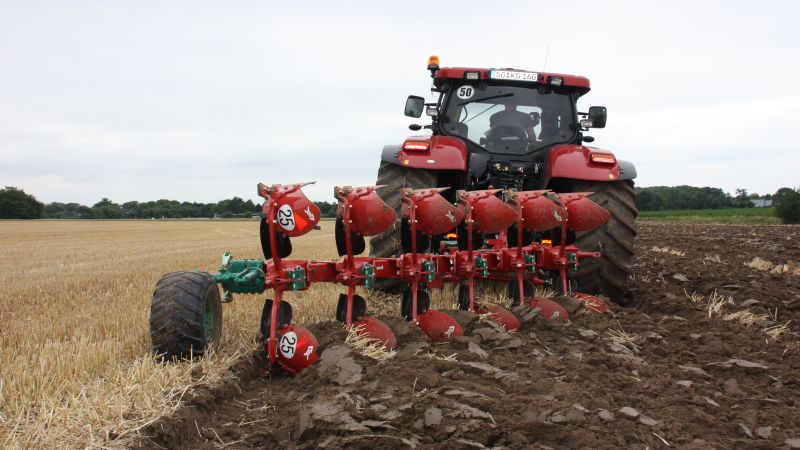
[{"x": 579, "y": 83}]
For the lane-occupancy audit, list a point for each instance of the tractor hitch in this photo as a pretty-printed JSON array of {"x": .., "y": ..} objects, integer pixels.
[{"x": 242, "y": 276}]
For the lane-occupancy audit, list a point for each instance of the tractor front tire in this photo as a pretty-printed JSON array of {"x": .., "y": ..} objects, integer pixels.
[
  {"x": 185, "y": 316},
  {"x": 395, "y": 178},
  {"x": 610, "y": 274}
]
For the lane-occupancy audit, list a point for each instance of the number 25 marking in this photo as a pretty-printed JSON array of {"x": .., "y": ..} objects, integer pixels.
[{"x": 285, "y": 217}]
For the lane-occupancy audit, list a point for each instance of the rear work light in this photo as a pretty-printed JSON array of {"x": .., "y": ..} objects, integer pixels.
[
  {"x": 556, "y": 81},
  {"x": 472, "y": 75},
  {"x": 603, "y": 158},
  {"x": 416, "y": 146}
]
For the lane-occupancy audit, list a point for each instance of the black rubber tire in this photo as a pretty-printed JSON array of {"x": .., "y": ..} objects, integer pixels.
[
  {"x": 394, "y": 178},
  {"x": 609, "y": 275},
  {"x": 181, "y": 301}
]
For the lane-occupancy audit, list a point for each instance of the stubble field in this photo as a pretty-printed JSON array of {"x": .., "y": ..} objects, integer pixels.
[
  {"x": 75, "y": 367},
  {"x": 707, "y": 356}
]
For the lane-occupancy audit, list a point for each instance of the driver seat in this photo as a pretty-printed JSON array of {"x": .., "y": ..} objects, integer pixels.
[{"x": 507, "y": 139}]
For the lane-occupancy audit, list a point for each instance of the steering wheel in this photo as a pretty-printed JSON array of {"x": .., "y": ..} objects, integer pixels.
[{"x": 507, "y": 139}]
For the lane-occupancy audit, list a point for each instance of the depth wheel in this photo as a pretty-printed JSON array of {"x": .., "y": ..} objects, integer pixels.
[{"x": 185, "y": 315}]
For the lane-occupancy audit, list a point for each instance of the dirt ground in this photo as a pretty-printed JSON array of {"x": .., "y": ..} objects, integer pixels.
[{"x": 661, "y": 373}]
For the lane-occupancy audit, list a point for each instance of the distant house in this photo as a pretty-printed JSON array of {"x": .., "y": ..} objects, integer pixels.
[{"x": 762, "y": 202}]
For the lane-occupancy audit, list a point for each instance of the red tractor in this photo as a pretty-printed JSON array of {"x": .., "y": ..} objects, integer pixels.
[{"x": 514, "y": 130}]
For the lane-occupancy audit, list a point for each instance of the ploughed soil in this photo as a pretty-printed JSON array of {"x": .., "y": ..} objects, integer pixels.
[{"x": 658, "y": 373}]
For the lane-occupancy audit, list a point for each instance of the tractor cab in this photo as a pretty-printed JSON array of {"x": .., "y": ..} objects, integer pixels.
[{"x": 507, "y": 119}]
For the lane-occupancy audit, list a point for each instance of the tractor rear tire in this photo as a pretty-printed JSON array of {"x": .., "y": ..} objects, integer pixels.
[
  {"x": 610, "y": 274},
  {"x": 185, "y": 316},
  {"x": 395, "y": 178}
]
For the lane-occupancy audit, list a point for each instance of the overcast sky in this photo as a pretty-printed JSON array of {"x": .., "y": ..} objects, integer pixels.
[{"x": 199, "y": 101}]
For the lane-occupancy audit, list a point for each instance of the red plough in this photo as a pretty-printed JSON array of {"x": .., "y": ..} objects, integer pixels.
[
  {"x": 477, "y": 215},
  {"x": 425, "y": 213}
]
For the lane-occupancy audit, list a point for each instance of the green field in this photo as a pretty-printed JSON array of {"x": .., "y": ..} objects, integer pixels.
[{"x": 725, "y": 215}]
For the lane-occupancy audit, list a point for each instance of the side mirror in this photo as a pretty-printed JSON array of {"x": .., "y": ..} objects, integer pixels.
[
  {"x": 414, "y": 106},
  {"x": 597, "y": 114}
]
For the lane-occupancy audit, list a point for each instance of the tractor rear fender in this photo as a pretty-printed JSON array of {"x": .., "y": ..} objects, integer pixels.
[
  {"x": 575, "y": 162},
  {"x": 443, "y": 153}
]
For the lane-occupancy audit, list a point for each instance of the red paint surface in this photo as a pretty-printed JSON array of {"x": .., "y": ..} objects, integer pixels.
[
  {"x": 572, "y": 161},
  {"x": 446, "y": 153},
  {"x": 377, "y": 331},
  {"x": 306, "y": 350},
  {"x": 434, "y": 215},
  {"x": 439, "y": 327},
  {"x": 583, "y": 213},
  {"x": 592, "y": 304},
  {"x": 539, "y": 213},
  {"x": 549, "y": 309},
  {"x": 369, "y": 215},
  {"x": 491, "y": 215},
  {"x": 500, "y": 315}
]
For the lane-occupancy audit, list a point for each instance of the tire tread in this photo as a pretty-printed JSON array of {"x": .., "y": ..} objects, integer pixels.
[
  {"x": 176, "y": 315},
  {"x": 609, "y": 274}
]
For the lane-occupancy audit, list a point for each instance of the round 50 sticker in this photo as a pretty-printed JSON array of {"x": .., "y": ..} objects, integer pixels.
[
  {"x": 465, "y": 92},
  {"x": 288, "y": 344}
]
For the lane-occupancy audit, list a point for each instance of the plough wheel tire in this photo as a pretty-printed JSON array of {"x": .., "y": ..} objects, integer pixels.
[
  {"x": 185, "y": 316},
  {"x": 394, "y": 178},
  {"x": 610, "y": 274}
]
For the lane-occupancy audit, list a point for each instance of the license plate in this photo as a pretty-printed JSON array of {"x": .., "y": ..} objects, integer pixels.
[{"x": 513, "y": 76}]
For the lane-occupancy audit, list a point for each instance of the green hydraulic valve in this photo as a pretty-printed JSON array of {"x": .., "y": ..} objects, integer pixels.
[{"x": 244, "y": 276}]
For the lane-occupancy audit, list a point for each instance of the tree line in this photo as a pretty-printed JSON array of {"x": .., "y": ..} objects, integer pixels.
[
  {"x": 17, "y": 204},
  {"x": 666, "y": 198}
]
